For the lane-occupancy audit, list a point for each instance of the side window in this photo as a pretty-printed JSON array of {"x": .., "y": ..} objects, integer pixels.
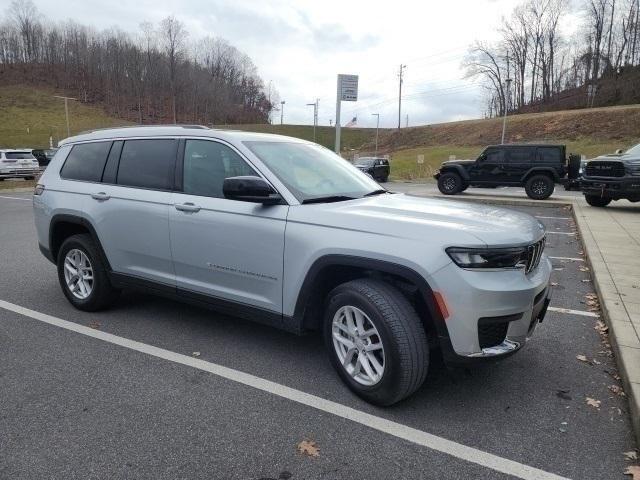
[
  {"x": 86, "y": 162},
  {"x": 207, "y": 164},
  {"x": 147, "y": 163},
  {"x": 550, "y": 155},
  {"x": 520, "y": 155},
  {"x": 494, "y": 156}
]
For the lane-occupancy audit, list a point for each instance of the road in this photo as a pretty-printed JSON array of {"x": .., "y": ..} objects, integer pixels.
[{"x": 127, "y": 398}]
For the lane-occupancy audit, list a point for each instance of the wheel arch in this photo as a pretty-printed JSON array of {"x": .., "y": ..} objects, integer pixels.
[
  {"x": 331, "y": 270},
  {"x": 459, "y": 169},
  {"x": 63, "y": 226},
  {"x": 550, "y": 172}
]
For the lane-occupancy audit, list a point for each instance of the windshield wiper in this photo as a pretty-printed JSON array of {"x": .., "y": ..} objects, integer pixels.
[
  {"x": 376, "y": 192},
  {"x": 329, "y": 198}
]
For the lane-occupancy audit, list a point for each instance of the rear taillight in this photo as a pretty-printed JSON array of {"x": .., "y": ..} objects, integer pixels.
[{"x": 39, "y": 190}]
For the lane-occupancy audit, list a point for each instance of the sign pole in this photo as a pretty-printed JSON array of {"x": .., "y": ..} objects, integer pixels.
[{"x": 338, "y": 105}]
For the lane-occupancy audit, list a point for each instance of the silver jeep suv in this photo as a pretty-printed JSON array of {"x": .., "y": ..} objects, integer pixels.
[{"x": 285, "y": 232}]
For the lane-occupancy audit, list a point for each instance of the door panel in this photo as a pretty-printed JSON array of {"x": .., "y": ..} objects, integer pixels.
[{"x": 228, "y": 249}]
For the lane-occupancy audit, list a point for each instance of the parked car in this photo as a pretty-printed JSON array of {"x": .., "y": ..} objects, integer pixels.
[
  {"x": 537, "y": 168},
  {"x": 612, "y": 177},
  {"x": 18, "y": 164},
  {"x": 377, "y": 167},
  {"x": 285, "y": 232},
  {"x": 44, "y": 156}
]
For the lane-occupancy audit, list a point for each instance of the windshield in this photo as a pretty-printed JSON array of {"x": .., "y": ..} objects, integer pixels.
[
  {"x": 634, "y": 150},
  {"x": 310, "y": 171},
  {"x": 365, "y": 161}
]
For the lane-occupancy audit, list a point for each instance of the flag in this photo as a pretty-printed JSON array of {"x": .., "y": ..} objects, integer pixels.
[{"x": 352, "y": 123}]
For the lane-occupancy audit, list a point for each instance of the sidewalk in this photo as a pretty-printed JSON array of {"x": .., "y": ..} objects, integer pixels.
[{"x": 611, "y": 239}]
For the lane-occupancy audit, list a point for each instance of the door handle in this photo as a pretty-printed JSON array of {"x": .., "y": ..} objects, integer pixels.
[
  {"x": 100, "y": 196},
  {"x": 187, "y": 207}
]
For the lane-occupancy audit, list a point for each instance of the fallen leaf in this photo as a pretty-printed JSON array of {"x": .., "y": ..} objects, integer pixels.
[
  {"x": 617, "y": 390},
  {"x": 309, "y": 448},
  {"x": 195, "y": 354},
  {"x": 592, "y": 402},
  {"x": 634, "y": 471},
  {"x": 554, "y": 284},
  {"x": 95, "y": 325},
  {"x": 583, "y": 358},
  {"x": 596, "y": 362},
  {"x": 584, "y": 269},
  {"x": 564, "y": 394},
  {"x": 586, "y": 280},
  {"x": 632, "y": 455}
]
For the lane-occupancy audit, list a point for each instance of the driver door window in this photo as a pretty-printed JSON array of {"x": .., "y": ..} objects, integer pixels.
[{"x": 207, "y": 164}]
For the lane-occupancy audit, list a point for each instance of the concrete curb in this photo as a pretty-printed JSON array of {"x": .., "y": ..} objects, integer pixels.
[{"x": 623, "y": 340}]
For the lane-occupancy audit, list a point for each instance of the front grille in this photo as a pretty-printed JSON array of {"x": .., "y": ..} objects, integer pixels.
[
  {"x": 604, "y": 169},
  {"x": 534, "y": 253}
]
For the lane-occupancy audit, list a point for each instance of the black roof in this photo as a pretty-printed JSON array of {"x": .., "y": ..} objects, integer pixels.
[{"x": 527, "y": 145}]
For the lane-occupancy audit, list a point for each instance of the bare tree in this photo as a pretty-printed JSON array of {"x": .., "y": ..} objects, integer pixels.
[{"x": 173, "y": 36}]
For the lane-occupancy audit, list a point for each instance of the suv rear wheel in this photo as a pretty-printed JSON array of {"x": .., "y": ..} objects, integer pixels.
[
  {"x": 597, "y": 201},
  {"x": 539, "y": 187},
  {"x": 83, "y": 274},
  {"x": 450, "y": 183},
  {"x": 376, "y": 341}
]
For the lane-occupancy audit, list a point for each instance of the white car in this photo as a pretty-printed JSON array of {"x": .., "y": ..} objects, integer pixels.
[{"x": 19, "y": 163}]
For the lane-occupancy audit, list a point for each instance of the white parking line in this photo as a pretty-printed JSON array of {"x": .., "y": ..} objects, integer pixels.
[
  {"x": 16, "y": 198},
  {"x": 560, "y": 233},
  {"x": 389, "y": 427},
  {"x": 573, "y": 259},
  {"x": 573, "y": 312},
  {"x": 552, "y": 218}
]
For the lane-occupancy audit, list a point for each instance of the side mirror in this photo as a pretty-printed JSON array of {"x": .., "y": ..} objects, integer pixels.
[
  {"x": 481, "y": 158},
  {"x": 250, "y": 189}
]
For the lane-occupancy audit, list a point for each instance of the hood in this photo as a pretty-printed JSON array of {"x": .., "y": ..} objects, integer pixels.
[
  {"x": 458, "y": 162},
  {"x": 620, "y": 157},
  {"x": 447, "y": 222}
]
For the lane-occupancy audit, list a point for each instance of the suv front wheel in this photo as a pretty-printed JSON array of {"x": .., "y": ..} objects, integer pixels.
[
  {"x": 83, "y": 275},
  {"x": 376, "y": 341},
  {"x": 539, "y": 187},
  {"x": 450, "y": 183}
]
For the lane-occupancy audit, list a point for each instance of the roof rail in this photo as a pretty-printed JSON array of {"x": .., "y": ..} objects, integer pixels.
[{"x": 193, "y": 127}]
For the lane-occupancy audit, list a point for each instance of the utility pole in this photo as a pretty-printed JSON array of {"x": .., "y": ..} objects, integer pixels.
[
  {"x": 66, "y": 111},
  {"x": 506, "y": 109},
  {"x": 406, "y": 122},
  {"x": 377, "y": 115},
  {"x": 402, "y": 67},
  {"x": 315, "y": 116},
  {"x": 281, "y": 111}
]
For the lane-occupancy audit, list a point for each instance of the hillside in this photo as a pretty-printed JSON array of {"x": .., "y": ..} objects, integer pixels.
[{"x": 590, "y": 132}]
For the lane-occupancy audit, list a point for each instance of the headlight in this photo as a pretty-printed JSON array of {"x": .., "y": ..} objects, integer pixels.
[{"x": 489, "y": 257}]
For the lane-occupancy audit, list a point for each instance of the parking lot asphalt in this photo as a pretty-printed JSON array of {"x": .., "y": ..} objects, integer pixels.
[{"x": 79, "y": 407}]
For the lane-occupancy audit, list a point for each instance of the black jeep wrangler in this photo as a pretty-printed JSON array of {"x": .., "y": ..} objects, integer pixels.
[
  {"x": 612, "y": 177},
  {"x": 537, "y": 168}
]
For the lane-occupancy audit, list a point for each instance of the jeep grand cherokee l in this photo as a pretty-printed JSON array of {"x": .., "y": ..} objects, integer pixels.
[
  {"x": 612, "y": 177},
  {"x": 285, "y": 232}
]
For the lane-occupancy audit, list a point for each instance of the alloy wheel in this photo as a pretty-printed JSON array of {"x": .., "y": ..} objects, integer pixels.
[
  {"x": 358, "y": 345},
  {"x": 78, "y": 273}
]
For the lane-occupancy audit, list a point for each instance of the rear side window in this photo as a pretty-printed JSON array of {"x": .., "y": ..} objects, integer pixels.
[
  {"x": 494, "y": 156},
  {"x": 147, "y": 164},
  {"x": 520, "y": 155},
  {"x": 86, "y": 162},
  {"x": 550, "y": 155},
  {"x": 19, "y": 156}
]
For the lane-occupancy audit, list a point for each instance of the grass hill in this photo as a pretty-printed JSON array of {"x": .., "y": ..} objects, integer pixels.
[{"x": 29, "y": 116}]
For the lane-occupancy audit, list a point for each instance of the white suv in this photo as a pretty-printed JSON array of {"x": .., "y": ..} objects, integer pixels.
[
  {"x": 18, "y": 164},
  {"x": 285, "y": 232}
]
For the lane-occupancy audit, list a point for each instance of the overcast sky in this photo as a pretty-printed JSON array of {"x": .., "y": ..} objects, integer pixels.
[{"x": 301, "y": 45}]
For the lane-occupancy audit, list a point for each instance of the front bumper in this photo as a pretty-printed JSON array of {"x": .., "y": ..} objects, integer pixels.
[
  {"x": 492, "y": 314},
  {"x": 611, "y": 187}
]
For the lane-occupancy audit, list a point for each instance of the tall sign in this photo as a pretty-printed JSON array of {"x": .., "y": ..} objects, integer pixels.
[{"x": 347, "y": 92}]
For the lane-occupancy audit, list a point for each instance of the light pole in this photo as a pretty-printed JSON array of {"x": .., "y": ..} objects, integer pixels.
[
  {"x": 66, "y": 110},
  {"x": 281, "y": 111},
  {"x": 377, "y": 115},
  {"x": 315, "y": 116},
  {"x": 506, "y": 109}
]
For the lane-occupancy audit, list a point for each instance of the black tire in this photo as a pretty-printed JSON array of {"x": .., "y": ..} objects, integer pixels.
[
  {"x": 384, "y": 179},
  {"x": 597, "y": 201},
  {"x": 450, "y": 183},
  {"x": 29, "y": 178},
  {"x": 405, "y": 349},
  {"x": 539, "y": 187},
  {"x": 102, "y": 293},
  {"x": 464, "y": 187}
]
